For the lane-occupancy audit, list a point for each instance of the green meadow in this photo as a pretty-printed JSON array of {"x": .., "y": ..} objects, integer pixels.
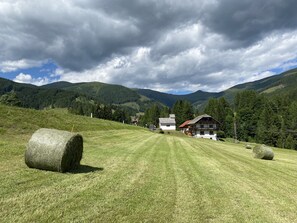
[{"x": 129, "y": 174}]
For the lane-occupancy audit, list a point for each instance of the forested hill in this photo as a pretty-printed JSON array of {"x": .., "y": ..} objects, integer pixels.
[
  {"x": 60, "y": 94},
  {"x": 31, "y": 96},
  {"x": 197, "y": 98},
  {"x": 65, "y": 94},
  {"x": 282, "y": 84},
  {"x": 105, "y": 93}
]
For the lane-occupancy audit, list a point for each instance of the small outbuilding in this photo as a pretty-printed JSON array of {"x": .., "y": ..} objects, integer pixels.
[{"x": 168, "y": 124}]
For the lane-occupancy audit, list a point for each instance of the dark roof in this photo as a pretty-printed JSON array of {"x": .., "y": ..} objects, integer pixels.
[
  {"x": 197, "y": 119},
  {"x": 184, "y": 124}
]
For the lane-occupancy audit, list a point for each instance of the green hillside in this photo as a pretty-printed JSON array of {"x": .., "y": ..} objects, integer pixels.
[
  {"x": 105, "y": 93},
  {"x": 111, "y": 94},
  {"x": 284, "y": 83},
  {"x": 62, "y": 94},
  {"x": 129, "y": 174},
  {"x": 198, "y": 98},
  {"x": 31, "y": 96}
]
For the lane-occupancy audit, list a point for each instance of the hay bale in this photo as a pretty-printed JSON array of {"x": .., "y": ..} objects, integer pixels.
[
  {"x": 55, "y": 150},
  {"x": 248, "y": 146},
  {"x": 263, "y": 152}
]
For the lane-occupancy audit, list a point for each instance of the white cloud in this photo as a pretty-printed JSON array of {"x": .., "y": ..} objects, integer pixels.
[
  {"x": 203, "y": 67},
  {"x": 162, "y": 45},
  {"x": 10, "y": 65},
  {"x": 28, "y": 79},
  {"x": 23, "y": 78}
]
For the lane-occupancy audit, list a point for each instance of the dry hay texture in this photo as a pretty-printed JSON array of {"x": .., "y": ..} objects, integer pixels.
[
  {"x": 263, "y": 152},
  {"x": 55, "y": 150},
  {"x": 248, "y": 146}
]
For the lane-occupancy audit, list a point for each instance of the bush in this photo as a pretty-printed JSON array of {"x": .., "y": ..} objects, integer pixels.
[{"x": 221, "y": 134}]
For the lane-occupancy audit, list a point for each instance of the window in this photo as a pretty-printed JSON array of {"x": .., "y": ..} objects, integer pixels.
[
  {"x": 201, "y": 126},
  {"x": 210, "y": 132},
  {"x": 211, "y": 126},
  {"x": 167, "y": 125},
  {"x": 202, "y": 133}
]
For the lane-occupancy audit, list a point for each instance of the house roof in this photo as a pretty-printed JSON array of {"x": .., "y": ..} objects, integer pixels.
[
  {"x": 184, "y": 124},
  {"x": 167, "y": 121},
  {"x": 198, "y": 118}
]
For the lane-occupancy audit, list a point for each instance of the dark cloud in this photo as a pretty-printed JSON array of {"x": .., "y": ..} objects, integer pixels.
[
  {"x": 78, "y": 35},
  {"x": 145, "y": 43},
  {"x": 248, "y": 21}
]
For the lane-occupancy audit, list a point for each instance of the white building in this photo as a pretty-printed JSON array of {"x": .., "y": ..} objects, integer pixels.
[
  {"x": 204, "y": 126},
  {"x": 168, "y": 124}
]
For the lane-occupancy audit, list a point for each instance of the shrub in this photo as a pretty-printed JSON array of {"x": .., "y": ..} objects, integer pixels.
[{"x": 221, "y": 134}]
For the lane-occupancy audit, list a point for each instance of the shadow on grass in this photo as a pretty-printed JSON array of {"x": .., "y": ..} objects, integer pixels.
[{"x": 86, "y": 169}]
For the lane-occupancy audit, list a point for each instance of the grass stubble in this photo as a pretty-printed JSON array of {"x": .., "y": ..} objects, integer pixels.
[{"x": 138, "y": 176}]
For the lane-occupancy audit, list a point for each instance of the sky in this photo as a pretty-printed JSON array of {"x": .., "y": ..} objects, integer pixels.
[{"x": 166, "y": 45}]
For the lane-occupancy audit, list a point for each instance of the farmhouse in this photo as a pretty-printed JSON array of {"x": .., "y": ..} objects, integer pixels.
[
  {"x": 204, "y": 126},
  {"x": 186, "y": 128},
  {"x": 167, "y": 123}
]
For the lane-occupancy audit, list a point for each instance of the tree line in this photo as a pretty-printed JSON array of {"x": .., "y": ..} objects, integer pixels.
[
  {"x": 82, "y": 106},
  {"x": 250, "y": 117},
  {"x": 257, "y": 118},
  {"x": 182, "y": 109}
]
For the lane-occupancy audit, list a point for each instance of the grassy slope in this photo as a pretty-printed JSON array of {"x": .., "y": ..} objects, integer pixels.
[{"x": 131, "y": 175}]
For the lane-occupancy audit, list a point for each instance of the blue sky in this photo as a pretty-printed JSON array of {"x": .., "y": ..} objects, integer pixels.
[{"x": 169, "y": 46}]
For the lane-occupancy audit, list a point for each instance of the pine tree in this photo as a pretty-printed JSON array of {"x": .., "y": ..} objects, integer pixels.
[
  {"x": 220, "y": 110},
  {"x": 183, "y": 111},
  {"x": 290, "y": 142},
  {"x": 268, "y": 126},
  {"x": 10, "y": 98}
]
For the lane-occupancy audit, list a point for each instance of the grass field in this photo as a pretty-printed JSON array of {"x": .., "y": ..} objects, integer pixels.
[{"x": 129, "y": 174}]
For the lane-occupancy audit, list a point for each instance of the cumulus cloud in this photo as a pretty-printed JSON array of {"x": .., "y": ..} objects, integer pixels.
[
  {"x": 28, "y": 79},
  {"x": 164, "y": 45}
]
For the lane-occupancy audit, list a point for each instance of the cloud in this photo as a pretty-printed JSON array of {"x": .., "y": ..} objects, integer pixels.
[
  {"x": 9, "y": 66},
  {"x": 164, "y": 45},
  {"x": 204, "y": 67},
  {"x": 247, "y": 21},
  {"x": 27, "y": 78}
]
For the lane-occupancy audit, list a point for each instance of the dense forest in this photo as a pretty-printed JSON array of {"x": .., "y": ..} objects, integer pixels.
[
  {"x": 251, "y": 117},
  {"x": 80, "y": 105},
  {"x": 263, "y": 111}
]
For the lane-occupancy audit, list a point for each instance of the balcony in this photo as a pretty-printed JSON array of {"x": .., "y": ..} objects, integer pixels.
[{"x": 206, "y": 127}]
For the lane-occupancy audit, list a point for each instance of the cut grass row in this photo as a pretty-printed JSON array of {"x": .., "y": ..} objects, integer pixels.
[{"x": 131, "y": 175}]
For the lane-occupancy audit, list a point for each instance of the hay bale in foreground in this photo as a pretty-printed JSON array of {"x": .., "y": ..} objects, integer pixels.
[
  {"x": 263, "y": 152},
  {"x": 248, "y": 146},
  {"x": 55, "y": 150}
]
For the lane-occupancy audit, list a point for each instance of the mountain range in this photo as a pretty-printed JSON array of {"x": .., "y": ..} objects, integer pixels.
[{"x": 61, "y": 94}]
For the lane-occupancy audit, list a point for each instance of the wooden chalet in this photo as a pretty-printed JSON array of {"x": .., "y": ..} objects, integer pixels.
[{"x": 204, "y": 126}]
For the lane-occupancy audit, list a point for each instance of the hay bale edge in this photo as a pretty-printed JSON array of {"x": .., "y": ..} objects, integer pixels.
[{"x": 54, "y": 150}]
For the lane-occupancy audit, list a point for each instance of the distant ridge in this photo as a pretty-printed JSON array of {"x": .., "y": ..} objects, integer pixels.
[{"x": 138, "y": 100}]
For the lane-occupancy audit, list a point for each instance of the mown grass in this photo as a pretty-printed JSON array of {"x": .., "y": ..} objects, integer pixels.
[{"x": 132, "y": 175}]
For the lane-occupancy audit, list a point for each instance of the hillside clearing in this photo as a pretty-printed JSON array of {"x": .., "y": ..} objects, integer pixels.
[{"x": 132, "y": 175}]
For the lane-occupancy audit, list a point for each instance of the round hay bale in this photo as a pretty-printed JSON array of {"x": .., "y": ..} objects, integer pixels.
[
  {"x": 263, "y": 152},
  {"x": 55, "y": 150},
  {"x": 248, "y": 146}
]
